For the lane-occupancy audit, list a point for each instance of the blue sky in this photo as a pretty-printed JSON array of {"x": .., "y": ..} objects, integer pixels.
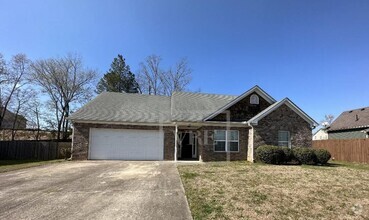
[{"x": 314, "y": 52}]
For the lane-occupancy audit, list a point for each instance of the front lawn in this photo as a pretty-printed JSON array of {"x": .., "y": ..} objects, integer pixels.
[
  {"x": 239, "y": 190},
  {"x": 9, "y": 165}
]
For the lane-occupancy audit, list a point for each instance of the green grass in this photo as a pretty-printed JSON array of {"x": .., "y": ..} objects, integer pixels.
[
  {"x": 240, "y": 190},
  {"x": 10, "y": 165},
  {"x": 358, "y": 166}
]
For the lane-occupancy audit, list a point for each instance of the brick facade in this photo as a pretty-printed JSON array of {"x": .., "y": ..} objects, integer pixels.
[
  {"x": 266, "y": 132},
  {"x": 243, "y": 110},
  {"x": 206, "y": 145},
  {"x": 283, "y": 119},
  {"x": 82, "y": 132}
]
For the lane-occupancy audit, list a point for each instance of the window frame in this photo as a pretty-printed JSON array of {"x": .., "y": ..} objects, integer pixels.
[
  {"x": 227, "y": 141},
  {"x": 288, "y": 139}
]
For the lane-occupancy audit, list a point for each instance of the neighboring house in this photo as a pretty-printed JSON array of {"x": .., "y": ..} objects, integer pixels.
[
  {"x": 350, "y": 124},
  {"x": 9, "y": 118},
  {"x": 205, "y": 127},
  {"x": 320, "y": 134}
]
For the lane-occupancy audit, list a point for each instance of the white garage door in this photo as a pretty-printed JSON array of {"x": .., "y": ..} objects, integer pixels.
[{"x": 119, "y": 144}]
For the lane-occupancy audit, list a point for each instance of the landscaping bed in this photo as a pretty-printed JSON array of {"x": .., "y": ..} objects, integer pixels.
[{"x": 235, "y": 190}]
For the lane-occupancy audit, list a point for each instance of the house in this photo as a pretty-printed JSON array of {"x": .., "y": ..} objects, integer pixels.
[
  {"x": 186, "y": 125},
  {"x": 10, "y": 117},
  {"x": 320, "y": 134},
  {"x": 350, "y": 124}
]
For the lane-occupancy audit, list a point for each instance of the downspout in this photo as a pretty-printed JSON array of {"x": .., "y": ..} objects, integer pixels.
[{"x": 175, "y": 142}]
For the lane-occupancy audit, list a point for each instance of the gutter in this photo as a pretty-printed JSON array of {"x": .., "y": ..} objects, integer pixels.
[{"x": 233, "y": 124}]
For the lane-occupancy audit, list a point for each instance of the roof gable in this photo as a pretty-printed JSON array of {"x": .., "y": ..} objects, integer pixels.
[
  {"x": 276, "y": 105},
  {"x": 356, "y": 118},
  {"x": 320, "y": 130},
  {"x": 255, "y": 89}
]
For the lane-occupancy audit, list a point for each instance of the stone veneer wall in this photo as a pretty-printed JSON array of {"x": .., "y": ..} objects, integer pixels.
[
  {"x": 82, "y": 131},
  {"x": 285, "y": 119},
  {"x": 243, "y": 110},
  {"x": 206, "y": 145}
]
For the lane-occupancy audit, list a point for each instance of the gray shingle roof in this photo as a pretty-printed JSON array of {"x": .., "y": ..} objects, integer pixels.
[
  {"x": 357, "y": 118},
  {"x": 192, "y": 107},
  {"x": 125, "y": 107},
  {"x": 138, "y": 108}
]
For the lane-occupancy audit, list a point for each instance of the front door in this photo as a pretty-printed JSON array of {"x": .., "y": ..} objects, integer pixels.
[{"x": 188, "y": 146}]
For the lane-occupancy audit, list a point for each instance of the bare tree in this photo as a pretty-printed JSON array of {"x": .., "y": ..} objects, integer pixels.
[
  {"x": 12, "y": 77},
  {"x": 153, "y": 80},
  {"x": 150, "y": 76},
  {"x": 327, "y": 121},
  {"x": 49, "y": 116},
  {"x": 34, "y": 110},
  {"x": 178, "y": 78},
  {"x": 2, "y": 68},
  {"x": 66, "y": 81},
  {"x": 19, "y": 107}
]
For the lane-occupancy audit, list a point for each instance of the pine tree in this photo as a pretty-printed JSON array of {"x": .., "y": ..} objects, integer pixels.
[{"x": 119, "y": 78}]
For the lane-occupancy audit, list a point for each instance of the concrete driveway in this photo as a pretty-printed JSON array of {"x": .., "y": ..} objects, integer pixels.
[{"x": 94, "y": 190}]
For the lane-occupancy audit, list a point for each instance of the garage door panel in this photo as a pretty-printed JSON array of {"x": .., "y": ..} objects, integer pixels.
[{"x": 126, "y": 144}]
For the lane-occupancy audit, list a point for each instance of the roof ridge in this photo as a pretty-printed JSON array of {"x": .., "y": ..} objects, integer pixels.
[
  {"x": 357, "y": 109},
  {"x": 204, "y": 93},
  {"x": 139, "y": 94}
]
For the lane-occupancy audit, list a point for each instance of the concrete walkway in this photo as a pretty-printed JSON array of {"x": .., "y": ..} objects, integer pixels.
[{"x": 94, "y": 190}]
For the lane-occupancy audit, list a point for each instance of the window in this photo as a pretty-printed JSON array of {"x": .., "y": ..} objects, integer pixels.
[
  {"x": 220, "y": 140},
  {"x": 284, "y": 139},
  {"x": 225, "y": 141},
  {"x": 254, "y": 99}
]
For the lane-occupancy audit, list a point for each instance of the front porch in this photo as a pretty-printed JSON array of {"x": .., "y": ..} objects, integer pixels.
[
  {"x": 186, "y": 144},
  {"x": 195, "y": 143}
]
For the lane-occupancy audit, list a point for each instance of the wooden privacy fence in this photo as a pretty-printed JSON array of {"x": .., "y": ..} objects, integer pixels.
[
  {"x": 352, "y": 150},
  {"x": 34, "y": 150}
]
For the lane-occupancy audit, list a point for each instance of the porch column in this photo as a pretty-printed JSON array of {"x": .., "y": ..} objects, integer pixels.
[
  {"x": 250, "y": 147},
  {"x": 175, "y": 143}
]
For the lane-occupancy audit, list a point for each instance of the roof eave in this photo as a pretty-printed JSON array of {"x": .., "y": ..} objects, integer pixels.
[
  {"x": 173, "y": 123},
  {"x": 350, "y": 128},
  {"x": 214, "y": 123},
  {"x": 122, "y": 122}
]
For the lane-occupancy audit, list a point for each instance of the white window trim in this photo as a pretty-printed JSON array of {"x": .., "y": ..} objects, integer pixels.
[
  {"x": 227, "y": 148},
  {"x": 288, "y": 141}
]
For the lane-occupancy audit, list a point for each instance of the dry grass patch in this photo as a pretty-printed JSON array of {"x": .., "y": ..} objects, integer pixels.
[
  {"x": 239, "y": 190},
  {"x": 10, "y": 165}
]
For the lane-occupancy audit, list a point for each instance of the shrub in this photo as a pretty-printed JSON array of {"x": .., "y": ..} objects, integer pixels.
[
  {"x": 269, "y": 154},
  {"x": 304, "y": 155},
  {"x": 288, "y": 155},
  {"x": 322, "y": 156}
]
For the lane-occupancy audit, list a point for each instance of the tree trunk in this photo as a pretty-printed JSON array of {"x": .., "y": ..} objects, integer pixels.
[
  {"x": 14, "y": 124},
  {"x": 38, "y": 125},
  {"x": 65, "y": 135}
]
